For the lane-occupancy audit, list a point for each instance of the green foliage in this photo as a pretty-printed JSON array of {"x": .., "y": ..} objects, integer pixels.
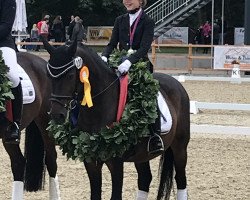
[
  {"x": 104, "y": 12},
  {"x": 112, "y": 142},
  {"x": 5, "y": 84}
]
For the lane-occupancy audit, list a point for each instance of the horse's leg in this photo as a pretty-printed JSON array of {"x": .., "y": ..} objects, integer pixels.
[
  {"x": 50, "y": 159},
  {"x": 94, "y": 170},
  {"x": 179, "y": 148},
  {"x": 144, "y": 180},
  {"x": 116, "y": 169},
  {"x": 17, "y": 167}
]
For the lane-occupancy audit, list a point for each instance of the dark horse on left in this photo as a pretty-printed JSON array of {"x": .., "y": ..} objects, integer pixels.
[{"x": 28, "y": 169}]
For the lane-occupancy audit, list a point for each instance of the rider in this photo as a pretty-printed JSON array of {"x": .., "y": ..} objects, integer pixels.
[
  {"x": 134, "y": 31},
  {"x": 7, "y": 46}
]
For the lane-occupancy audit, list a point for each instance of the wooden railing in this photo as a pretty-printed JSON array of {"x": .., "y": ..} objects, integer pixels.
[{"x": 189, "y": 55}]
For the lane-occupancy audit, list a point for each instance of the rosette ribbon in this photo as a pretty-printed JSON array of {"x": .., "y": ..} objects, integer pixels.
[{"x": 84, "y": 78}]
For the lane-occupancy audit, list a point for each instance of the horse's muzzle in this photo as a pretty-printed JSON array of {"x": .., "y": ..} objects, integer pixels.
[{"x": 59, "y": 118}]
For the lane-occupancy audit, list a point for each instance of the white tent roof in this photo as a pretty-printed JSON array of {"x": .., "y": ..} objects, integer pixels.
[{"x": 20, "y": 23}]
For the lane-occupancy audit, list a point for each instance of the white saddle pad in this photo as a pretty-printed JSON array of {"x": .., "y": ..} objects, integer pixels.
[
  {"x": 166, "y": 118},
  {"x": 27, "y": 86}
]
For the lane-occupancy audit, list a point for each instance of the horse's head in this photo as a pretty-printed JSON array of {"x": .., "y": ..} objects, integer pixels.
[{"x": 62, "y": 69}]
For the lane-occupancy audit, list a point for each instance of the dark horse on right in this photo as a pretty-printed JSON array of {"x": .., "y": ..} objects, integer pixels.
[{"x": 105, "y": 88}]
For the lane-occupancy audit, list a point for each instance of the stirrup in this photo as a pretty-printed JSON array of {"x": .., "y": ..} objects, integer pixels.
[{"x": 156, "y": 151}]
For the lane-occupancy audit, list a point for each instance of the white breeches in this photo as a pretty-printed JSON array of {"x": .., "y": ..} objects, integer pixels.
[{"x": 10, "y": 59}]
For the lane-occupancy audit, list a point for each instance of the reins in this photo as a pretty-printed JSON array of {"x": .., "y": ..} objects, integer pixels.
[{"x": 106, "y": 88}]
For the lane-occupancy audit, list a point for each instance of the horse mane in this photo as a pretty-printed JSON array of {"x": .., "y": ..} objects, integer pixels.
[{"x": 92, "y": 58}]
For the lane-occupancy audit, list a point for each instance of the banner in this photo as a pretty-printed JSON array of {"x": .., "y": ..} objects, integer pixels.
[
  {"x": 176, "y": 35},
  {"x": 239, "y": 36},
  {"x": 224, "y": 55},
  {"x": 99, "y": 33}
]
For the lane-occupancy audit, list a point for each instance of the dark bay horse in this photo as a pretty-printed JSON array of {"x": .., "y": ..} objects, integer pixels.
[
  {"x": 65, "y": 84},
  {"x": 28, "y": 169}
]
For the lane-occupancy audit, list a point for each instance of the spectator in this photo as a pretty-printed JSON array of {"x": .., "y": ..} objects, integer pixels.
[
  {"x": 71, "y": 26},
  {"x": 78, "y": 30},
  {"x": 216, "y": 34},
  {"x": 34, "y": 35},
  {"x": 198, "y": 38},
  {"x": 42, "y": 33},
  {"x": 206, "y": 32},
  {"x": 58, "y": 29}
]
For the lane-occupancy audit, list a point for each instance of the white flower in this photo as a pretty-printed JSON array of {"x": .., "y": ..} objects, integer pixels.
[{"x": 130, "y": 52}]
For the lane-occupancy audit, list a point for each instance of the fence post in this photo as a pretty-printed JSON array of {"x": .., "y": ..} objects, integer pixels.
[
  {"x": 153, "y": 46},
  {"x": 190, "y": 60}
]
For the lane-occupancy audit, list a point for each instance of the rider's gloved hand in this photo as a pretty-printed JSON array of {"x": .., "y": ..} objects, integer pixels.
[
  {"x": 104, "y": 58},
  {"x": 124, "y": 67}
]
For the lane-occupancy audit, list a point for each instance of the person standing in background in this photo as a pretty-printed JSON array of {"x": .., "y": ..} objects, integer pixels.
[
  {"x": 198, "y": 38},
  {"x": 58, "y": 29},
  {"x": 206, "y": 32},
  {"x": 39, "y": 27},
  {"x": 44, "y": 31},
  {"x": 78, "y": 30},
  {"x": 71, "y": 26},
  {"x": 34, "y": 35}
]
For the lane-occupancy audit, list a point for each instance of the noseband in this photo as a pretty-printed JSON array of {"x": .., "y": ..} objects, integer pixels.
[{"x": 76, "y": 62}]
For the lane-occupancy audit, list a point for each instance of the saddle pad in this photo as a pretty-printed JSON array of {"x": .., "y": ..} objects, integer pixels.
[
  {"x": 166, "y": 118},
  {"x": 27, "y": 86}
]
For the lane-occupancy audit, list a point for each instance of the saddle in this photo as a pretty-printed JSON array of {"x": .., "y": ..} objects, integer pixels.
[
  {"x": 27, "y": 86},
  {"x": 28, "y": 92}
]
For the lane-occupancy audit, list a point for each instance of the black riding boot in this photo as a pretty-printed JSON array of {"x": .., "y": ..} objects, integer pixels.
[
  {"x": 155, "y": 143},
  {"x": 13, "y": 131}
]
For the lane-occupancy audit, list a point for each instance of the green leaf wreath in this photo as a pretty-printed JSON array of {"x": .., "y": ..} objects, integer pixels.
[
  {"x": 5, "y": 84},
  {"x": 140, "y": 111}
]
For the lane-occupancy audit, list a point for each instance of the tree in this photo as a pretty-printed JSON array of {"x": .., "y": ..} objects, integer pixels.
[
  {"x": 101, "y": 12},
  {"x": 104, "y": 12}
]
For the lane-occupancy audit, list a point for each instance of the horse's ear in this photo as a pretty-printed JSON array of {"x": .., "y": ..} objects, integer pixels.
[
  {"x": 72, "y": 48},
  {"x": 47, "y": 46}
]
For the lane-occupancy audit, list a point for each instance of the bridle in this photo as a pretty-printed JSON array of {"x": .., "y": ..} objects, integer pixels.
[
  {"x": 68, "y": 66},
  {"x": 72, "y": 100}
]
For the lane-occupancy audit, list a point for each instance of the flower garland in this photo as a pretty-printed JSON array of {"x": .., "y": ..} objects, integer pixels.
[
  {"x": 112, "y": 142},
  {"x": 5, "y": 84}
]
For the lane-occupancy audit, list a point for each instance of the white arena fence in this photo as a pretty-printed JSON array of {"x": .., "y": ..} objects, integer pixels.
[{"x": 195, "y": 106}]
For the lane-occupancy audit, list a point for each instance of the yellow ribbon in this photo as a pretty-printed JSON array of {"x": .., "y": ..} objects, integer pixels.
[{"x": 84, "y": 78}]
